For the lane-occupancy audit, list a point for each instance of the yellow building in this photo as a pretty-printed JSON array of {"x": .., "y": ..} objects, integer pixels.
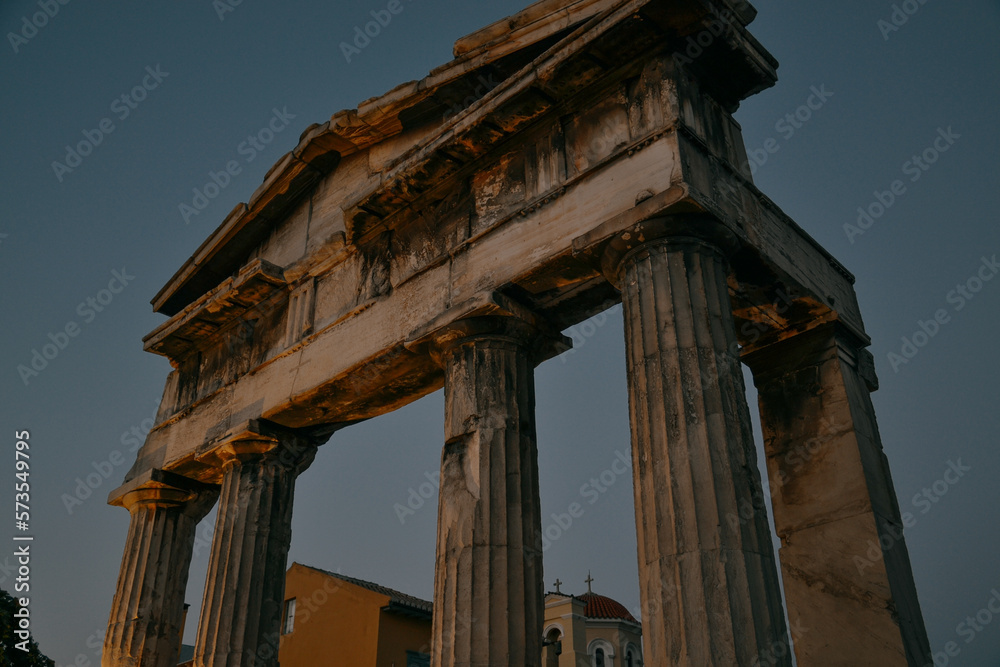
[
  {"x": 330, "y": 620},
  {"x": 589, "y": 630}
]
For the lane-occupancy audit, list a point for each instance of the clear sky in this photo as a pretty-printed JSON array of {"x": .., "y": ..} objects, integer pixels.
[{"x": 213, "y": 80}]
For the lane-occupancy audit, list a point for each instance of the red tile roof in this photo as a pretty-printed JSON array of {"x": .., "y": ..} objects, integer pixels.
[{"x": 599, "y": 606}]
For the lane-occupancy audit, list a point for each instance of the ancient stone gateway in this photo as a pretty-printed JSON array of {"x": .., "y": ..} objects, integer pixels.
[{"x": 442, "y": 235}]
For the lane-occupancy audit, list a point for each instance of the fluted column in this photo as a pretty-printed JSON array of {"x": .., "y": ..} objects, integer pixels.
[
  {"x": 244, "y": 590},
  {"x": 848, "y": 582},
  {"x": 145, "y": 626},
  {"x": 708, "y": 580},
  {"x": 488, "y": 586}
]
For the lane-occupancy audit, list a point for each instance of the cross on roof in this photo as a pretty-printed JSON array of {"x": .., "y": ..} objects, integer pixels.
[
  {"x": 589, "y": 581},
  {"x": 557, "y": 585}
]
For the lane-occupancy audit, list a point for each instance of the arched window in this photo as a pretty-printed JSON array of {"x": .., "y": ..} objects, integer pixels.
[
  {"x": 553, "y": 647},
  {"x": 629, "y": 661},
  {"x": 601, "y": 653}
]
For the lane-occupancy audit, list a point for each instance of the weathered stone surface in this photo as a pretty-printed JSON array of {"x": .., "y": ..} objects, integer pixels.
[
  {"x": 707, "y": 574},
  {"x": 524, "y": 181},
  {"x": 244, "y": 591},
  {"x": 848, "y": 582},
  {"x": 144, "y": 629},
  {"x": 488, "y": 585},
  {"x": 528, "y": 217}
]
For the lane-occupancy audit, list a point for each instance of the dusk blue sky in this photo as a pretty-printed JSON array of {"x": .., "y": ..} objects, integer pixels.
[{"x": 222, "y": 78}]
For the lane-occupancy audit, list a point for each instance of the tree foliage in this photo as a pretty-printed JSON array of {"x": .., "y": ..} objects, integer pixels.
[{"x": 10, "y": 655}]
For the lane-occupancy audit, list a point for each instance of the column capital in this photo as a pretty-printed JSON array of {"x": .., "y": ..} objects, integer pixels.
[
  {"x": 687, "y": 229},
  {"x": 260, "y": 440},
  {"x": 500, "y": 318},
  {"x": 165, "y": 489},
  {"x": 496, "y": 327}
]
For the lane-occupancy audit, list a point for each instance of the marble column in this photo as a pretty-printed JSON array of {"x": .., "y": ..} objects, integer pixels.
[
  {"x": 708, "y": 581},
  {"x": 848, "y": 583},
  {"x": 244, "y": 590},
  {"x": 145, "y": 626},
  {"x": 488, "y": 586}
]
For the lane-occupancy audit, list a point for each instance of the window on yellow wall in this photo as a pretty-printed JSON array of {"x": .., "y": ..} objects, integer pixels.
[{"x": 288, "y": 623}]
